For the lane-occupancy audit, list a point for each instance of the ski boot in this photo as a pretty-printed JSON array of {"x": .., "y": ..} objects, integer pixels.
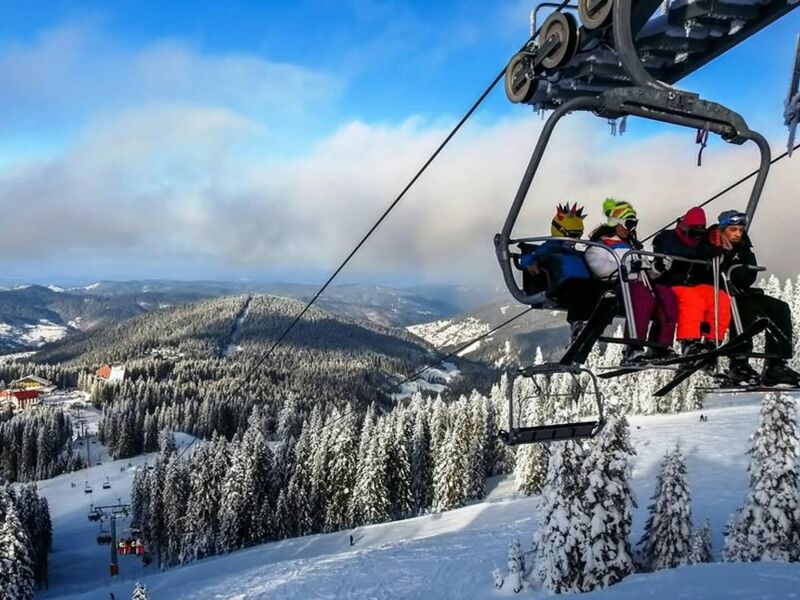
[
  {"x": 778, "y": 373},
  {"x": 739, "y": 372},
  {"x": 657, "y": 354},
  {"x": 692, "y": 347},
  {"x": 633, "y": 357}
]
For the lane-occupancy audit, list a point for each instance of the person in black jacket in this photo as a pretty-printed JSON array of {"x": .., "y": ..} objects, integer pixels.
[{"x": 753, "y": 303}]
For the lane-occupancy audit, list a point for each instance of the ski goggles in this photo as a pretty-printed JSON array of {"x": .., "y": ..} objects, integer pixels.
[
  {"x": 726, "y": 220},
  {"x": 696, "y": 232},
  {"x": 630, "y": 224},
  {"x": 571, "y": 233}
]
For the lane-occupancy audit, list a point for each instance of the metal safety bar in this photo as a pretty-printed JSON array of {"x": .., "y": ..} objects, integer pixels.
[
  {"x": 560, "y": 431},
  {"x": 622, "y": 272},
  {"x": 667, "y": 106},
  {"x": 726, "y": 277}
]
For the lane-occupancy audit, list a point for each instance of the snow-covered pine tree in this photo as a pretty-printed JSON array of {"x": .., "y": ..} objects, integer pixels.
[
  {"x": 560, "y": 538},
  {"x": 701, "y": 551},
  {"x": 139, "y": 592},
  {"x": 209, "y": 469},
  {"x": 355, "y": 513},
  {"x": 450, "y": 470},
  {"x": 342, "y": 470},
  {"x": 234, "y": 505},
  {"x": 438, "y": 428},
  {"x": 530, "y": 467},
  {"x": 155, "y": 528},
  {"x": 319, "y": 470},
  {"x": 476, "y": 462},
  {"x": 766, "y": 526},
  {"x": 176, "y": 499},
  {"x": 421, "y": 468},
  {"x": 503, "y": 454},
  {"x": 608, "y": 502},
  {"x": 667, "y": 536},
  {"x": 516, "y": 571},
  {"x": 297, "y": 491},
  {"x": 258, "y": 481},
  {"x": 398, "y": 457},
  {"x": 16, "y": 562},
  {"x": 374, "y": 501}
]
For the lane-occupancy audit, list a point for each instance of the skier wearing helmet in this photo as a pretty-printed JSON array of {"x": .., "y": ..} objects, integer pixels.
[
  {"x": 569, "y": 277},
  {"x": 656, "y": 303},
  {"x": 752, "y": 303}
]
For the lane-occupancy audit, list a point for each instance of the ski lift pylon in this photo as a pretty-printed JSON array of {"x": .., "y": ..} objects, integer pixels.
[{"x": 557, "y": 432}]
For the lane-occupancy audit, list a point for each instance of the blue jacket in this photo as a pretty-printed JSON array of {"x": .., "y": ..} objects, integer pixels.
[{"x": 559, "y": 259}]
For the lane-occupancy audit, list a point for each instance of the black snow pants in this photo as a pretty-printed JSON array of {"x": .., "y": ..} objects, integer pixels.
[
  {"x": 580, "y": 297},
  {"x": 753, "y": 303}
]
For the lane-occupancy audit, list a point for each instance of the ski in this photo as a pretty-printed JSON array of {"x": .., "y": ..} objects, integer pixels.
[
  {"x": 735, "y": 343},
  {"x": 746, "y": 389},
  {"x": 702, "y": 359},
  {"x": 681, "y": 376}
]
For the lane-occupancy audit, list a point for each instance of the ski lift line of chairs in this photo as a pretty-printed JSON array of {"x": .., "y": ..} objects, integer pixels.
[{"x": 521, "y": 434}]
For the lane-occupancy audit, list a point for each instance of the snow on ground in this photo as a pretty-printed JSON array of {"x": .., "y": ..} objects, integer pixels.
[
  {"x": 33, "y": 334},
  {"x": 449, "y": 332},
  {"x": 433, "y": 380},
  {"x": 445, "y": 555},
  {"x": 232, "y": 348},
  {"x": 16, "y": 356}
]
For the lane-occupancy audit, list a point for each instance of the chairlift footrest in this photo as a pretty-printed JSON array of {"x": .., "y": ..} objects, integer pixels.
[{"x": 552, "y": 433}]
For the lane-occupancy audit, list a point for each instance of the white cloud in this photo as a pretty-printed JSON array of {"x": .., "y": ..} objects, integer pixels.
[{"x": 168, "y": 183}]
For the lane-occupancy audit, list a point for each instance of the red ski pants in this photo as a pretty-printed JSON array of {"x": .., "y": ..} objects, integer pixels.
[{"x": 695, "y": 307}]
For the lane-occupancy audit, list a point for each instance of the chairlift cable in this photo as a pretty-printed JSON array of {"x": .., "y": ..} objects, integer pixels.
[
  {"x": 392, "y": 205},
  {"x": 722, "y": 193},
  {"x": 432, "y": 365}
]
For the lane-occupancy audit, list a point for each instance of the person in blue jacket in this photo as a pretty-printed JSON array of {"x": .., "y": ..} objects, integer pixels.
[{"x": 573, "y": 286}]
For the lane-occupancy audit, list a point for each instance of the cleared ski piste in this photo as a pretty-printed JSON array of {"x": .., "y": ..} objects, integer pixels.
[{"x": 444, "y": 555}]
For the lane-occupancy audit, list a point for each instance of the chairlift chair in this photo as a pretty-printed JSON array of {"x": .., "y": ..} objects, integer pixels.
[
  {"x": 106, "y": 484},
  {"x": 87, "y": 489},
  {"x": 104, "y": 537},
  {"x": 623, "y": 61},
  {"x": 519, "y": 433}
]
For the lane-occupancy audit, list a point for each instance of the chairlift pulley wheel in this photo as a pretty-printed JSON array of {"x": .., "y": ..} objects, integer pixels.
[
  {"x": 595, "y": 13},
  {"x": 519, "y": 86},
  {"x": 564, "y": 28}
]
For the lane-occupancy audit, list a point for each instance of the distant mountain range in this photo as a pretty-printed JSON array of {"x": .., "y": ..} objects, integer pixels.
[
  {"x": 442, "y": 315},
  {"x": 514, "y": 344},
  {"x": 33, "y": 315}
]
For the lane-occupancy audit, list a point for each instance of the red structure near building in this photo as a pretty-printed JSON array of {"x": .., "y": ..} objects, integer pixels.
[{"x": 20, "y": 399}]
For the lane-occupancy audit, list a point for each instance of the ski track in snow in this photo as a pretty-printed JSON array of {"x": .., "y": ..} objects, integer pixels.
[
  {"x": 236, "y": 332},
  {"x": 444, "y": 555}
]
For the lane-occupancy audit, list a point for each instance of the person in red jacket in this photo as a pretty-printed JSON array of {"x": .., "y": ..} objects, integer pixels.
[{"x": 693, "y": 283}]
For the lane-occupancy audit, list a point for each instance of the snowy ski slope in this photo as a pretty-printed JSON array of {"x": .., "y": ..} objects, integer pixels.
[{"x": 447, "y": 555}]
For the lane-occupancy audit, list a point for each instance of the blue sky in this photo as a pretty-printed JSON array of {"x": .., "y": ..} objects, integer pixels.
[{"x": 233, "y": 139}]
